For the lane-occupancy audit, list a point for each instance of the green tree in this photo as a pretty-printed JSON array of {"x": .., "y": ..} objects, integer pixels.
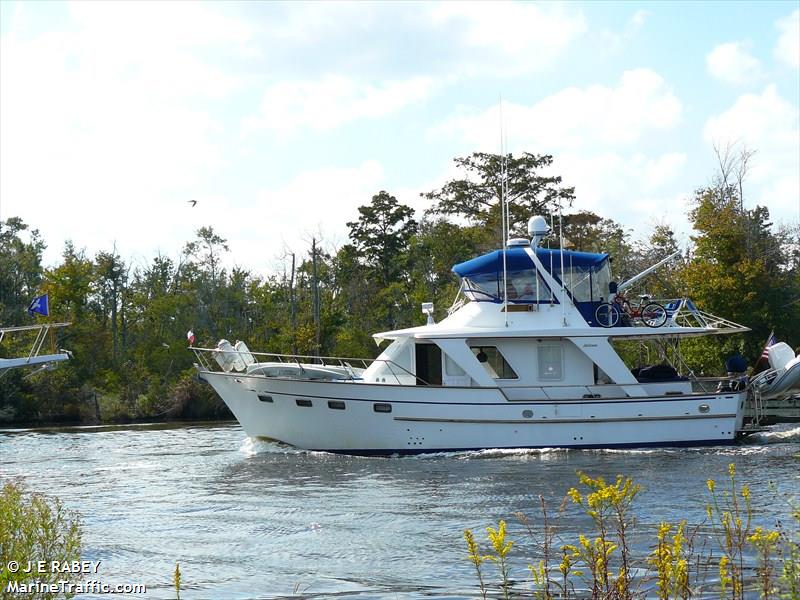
[
  {"x": 205, "y": 277},
  {"x": 382, "y": 234},
  {"x": 476, "y": 197},
  {"x": 111, "y": 278},
  {"x": 740, "y": 269},
  {"x": 20, "y": 268}
]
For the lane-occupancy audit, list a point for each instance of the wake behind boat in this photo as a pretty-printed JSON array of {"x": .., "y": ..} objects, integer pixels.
[{"x": 523, "y": 360}]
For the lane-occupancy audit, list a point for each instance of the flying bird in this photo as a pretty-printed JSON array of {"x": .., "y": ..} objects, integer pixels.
[{"x": 192, "y": 202}]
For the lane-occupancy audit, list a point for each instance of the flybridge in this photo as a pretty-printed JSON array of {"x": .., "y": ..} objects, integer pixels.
[{"x": 585, "y": 277}]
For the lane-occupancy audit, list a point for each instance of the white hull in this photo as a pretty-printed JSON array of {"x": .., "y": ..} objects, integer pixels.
[{"x": 431, "y": 419}]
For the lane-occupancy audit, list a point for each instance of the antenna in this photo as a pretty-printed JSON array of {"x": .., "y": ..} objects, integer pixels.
[
  {"x": 561, "y": 253},
  {"x": 552, "y": 293},
  {"x": 503, "y": 210}
]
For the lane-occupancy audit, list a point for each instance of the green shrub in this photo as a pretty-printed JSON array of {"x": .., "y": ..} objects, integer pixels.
[{"x": 35, "y": 528}]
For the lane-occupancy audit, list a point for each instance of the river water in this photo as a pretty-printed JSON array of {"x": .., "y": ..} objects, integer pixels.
[{"x": 253, "y": 519}]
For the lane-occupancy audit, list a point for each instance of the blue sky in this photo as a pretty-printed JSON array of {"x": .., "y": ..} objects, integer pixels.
[{"x": 282, "y": 119}]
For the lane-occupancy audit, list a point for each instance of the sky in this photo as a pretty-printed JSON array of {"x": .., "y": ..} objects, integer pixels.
[{"x": 281, "y": 119}]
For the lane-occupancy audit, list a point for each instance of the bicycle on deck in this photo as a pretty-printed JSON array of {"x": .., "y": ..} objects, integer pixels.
[{"x": 652, "y": 314}]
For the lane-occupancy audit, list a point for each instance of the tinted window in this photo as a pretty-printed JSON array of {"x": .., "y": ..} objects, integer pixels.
[
  {"x": 494, "y": 362},
  {"x": 551, "y": 361}
]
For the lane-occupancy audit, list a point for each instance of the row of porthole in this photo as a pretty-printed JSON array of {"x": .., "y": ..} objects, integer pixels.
[{"x": 379, "y": 407}]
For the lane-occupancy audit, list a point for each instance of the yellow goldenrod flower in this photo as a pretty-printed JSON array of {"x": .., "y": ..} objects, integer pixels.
[
  {"x": 472, "y": 549},
  {"x": 663, "y": 530},
  {"x": 498, "y": 539},
  {"x": 710, "y": 485}
]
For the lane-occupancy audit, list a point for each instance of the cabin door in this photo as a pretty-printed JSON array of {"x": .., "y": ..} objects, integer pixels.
[{"x": 429, "y": 364}]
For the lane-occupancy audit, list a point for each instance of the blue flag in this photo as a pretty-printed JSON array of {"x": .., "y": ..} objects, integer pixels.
[{"x": 40, "y": 305}]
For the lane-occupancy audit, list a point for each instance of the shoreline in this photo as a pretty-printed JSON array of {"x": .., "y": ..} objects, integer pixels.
[{"x": 57, "y": 427}]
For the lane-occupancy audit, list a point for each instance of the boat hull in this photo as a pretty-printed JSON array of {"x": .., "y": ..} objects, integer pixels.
[{"x": 363, "y": 418}]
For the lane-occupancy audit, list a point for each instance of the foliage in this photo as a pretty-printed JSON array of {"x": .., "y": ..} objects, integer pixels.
[
  {"x": 741, "y": 269},
  {"x": 20, "y": 267},
  {"x": 35, "y": 528},
  {"x": 381, "y": 236},
  {"x": 747, "y": 560},
  {"x": 476, "y": 196}
]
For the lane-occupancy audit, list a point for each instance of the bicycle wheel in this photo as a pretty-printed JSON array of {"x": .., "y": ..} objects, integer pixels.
[
  {"x": 607, "y": 314},
  {"x": 654, "y": 315}
]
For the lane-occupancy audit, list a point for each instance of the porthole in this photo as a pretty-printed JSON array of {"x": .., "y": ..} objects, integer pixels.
[
  {"x": 704, "y": 408},
  {"x": 382, "y": 407},
  {"x": 265, "y": 398},
  {"x": 527, "y": 414},
  {"x": 302, "y": 402},
  {"x": 336, "y": 404}
]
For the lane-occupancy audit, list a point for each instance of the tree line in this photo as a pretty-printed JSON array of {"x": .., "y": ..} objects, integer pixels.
[{"x": 129, "y": 322}]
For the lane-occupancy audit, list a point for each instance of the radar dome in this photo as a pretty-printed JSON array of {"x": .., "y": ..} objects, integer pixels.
[{"x": 537, "y": 229}]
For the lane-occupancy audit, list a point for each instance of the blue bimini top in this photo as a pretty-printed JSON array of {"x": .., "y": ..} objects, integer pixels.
[{"x": 517, "y": 259}]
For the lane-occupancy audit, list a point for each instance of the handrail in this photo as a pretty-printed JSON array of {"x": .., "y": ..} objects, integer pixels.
[
  {"x": 686, "y": 314},
  {"x": 41, "y": 329},
  {"x": 343, "y": 362},
  {"x": 333, "y": 361},
  {"x": 32, "y": 327}
]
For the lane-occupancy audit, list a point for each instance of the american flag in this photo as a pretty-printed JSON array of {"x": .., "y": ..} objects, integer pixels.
[{"x": 771, "y": 341}]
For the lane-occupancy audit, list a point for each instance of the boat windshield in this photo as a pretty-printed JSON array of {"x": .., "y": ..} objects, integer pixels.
[
  {"x": 585, "y": 283},
  {"x": 521, "y": 286},
  {"x": 585, "y": 275}
]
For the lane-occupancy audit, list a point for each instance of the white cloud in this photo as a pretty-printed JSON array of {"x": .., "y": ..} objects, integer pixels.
[
  {"x": 638, "y": 19},
  {"x": 508, "y": 37},
  {"x": 770, "y": 125},
  {"x": 316, "y": 202},
  {"x": 606, "y": 181},
  {"x": 576, "y": 117},
  {"x": 615, "y": 41},
  {"x": 331, "y": 102},
  {"x": 106, "y": 123},
  {"x": 787, "y": 49},
  {"x": 733, "y": 63},
  {"x": 595, "y": 135}
]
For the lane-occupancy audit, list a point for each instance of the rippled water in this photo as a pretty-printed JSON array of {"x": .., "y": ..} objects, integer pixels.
[{"x": 252, "y": 519}]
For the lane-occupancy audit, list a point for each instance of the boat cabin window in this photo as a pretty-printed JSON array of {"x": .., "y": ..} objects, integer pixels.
[
  {"x": 551, "y": 362},
  {"x": 452, "y": 368},
  {"x": 521, "y": 286},
  {"x": 494, "y": 362},
  {"x": 399, "y": 352},
  {"x": 429, "y": 364},
  {"x": 586, "y": 283}
]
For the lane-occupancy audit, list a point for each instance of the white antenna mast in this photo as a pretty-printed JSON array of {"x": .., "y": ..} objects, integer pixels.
[
  {"x": 503, "y": 211},
  {"x": 561, "y": 253}
]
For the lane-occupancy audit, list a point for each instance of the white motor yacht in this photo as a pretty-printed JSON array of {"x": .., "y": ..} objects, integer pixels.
[{"x": 521, "y": 361}]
